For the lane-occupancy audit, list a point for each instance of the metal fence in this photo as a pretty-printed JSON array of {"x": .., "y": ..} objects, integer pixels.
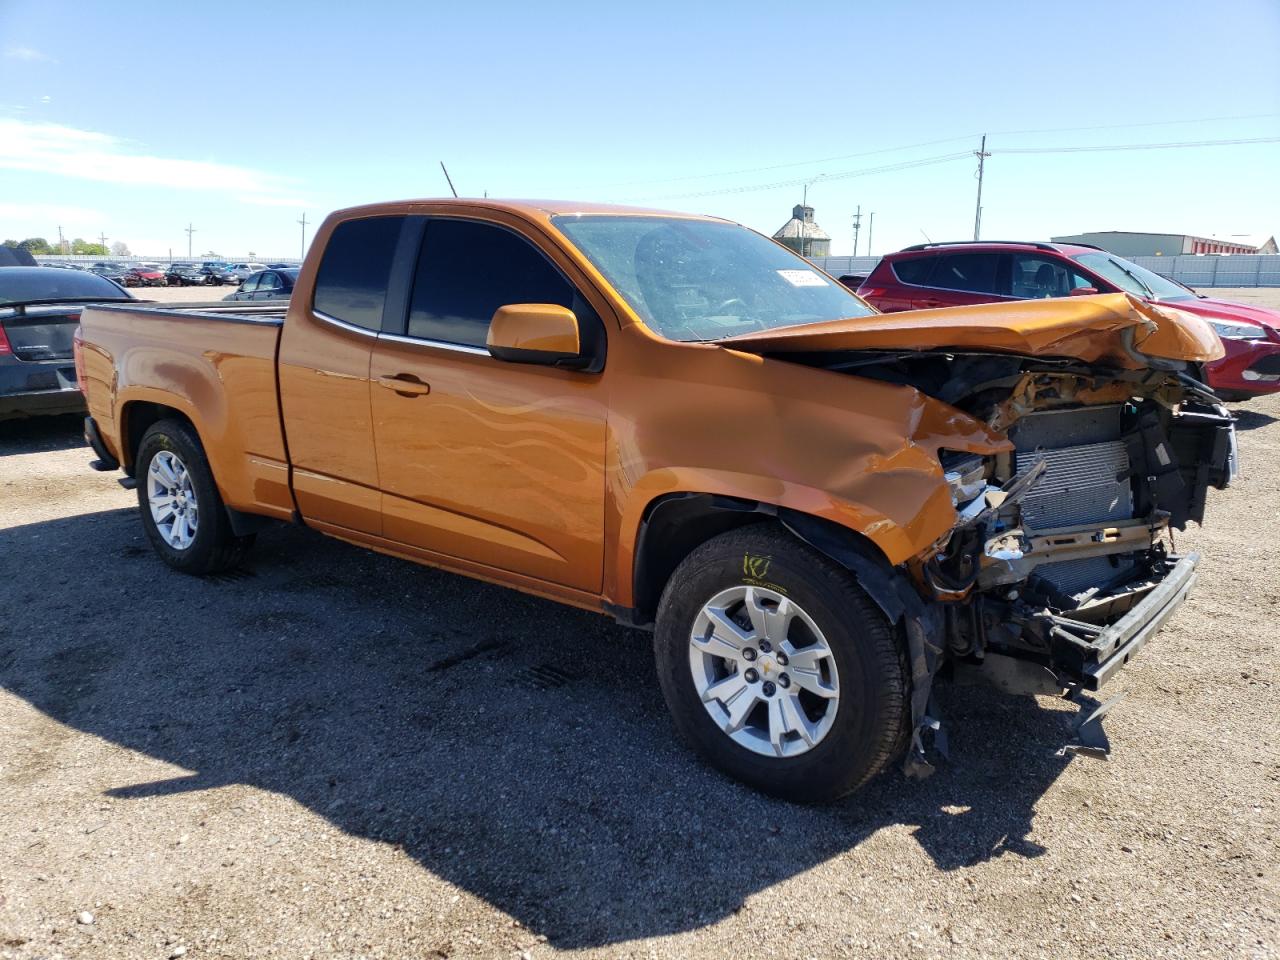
[
  {"x": 846, "y": 266},
  {"x": 1237, "y": 270}
]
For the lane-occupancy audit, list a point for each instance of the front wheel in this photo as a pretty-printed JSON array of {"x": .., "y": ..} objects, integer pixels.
[
  {"x": 778, "y": 668},
  {"x": 182, "y": 511}
]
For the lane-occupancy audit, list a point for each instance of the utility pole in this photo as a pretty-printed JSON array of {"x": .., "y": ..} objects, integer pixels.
[
  {"x": 61, "y": 242},
  {"x": 302, "y": 255},
  {"x": 190, "y": 230},
  {"x": 857, "y": 225},
  {"x": 102, "y": 239},
  {"x": 982, "y": 155},
  {"x": 870, "y": 224}
]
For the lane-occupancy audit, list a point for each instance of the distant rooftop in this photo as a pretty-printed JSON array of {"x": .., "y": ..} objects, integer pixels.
[{"x": 801, "y": 225}]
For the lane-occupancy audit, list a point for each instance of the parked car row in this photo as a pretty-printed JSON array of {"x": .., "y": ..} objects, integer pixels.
[
  {"x": 932, "y": 275},
  {"x": 176, "y": 274}
]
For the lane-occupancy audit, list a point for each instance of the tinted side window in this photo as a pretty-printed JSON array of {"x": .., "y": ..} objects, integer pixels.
[
  {"x": 914, "y": 271},
  {"x": 1037, "y": 277},
  {"x": 351, "y": 283},
  {"x": 250, "y": 285},
  {"x": 973, "y": 272},
  {"x": 467, "y": 270}
]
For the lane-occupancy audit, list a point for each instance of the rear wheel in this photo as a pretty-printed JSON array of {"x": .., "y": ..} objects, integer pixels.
[
  {"x": 182, "y": 511},
  {"x": 778, "y": 668}
]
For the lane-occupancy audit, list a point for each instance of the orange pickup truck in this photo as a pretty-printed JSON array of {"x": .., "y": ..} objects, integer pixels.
[{"x": 672, "y": 420}]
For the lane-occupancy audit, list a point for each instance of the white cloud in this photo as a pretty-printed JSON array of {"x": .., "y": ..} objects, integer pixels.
[
  {"x": 29, "y": 54},
  {"x": 50, "y": 213},
  {"x": 58, "y": 150}
]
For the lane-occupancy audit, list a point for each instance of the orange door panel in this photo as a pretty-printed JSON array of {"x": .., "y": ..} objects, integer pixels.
[
  {"x": 324, "y": 399},
  {"x": 492, "y": 462}
]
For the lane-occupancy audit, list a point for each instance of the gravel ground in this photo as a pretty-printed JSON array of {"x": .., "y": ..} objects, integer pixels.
[{"x": 337, "y": 754}]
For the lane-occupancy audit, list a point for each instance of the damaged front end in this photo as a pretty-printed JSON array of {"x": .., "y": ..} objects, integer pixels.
[
  {"x": 1061, "y": 562},
  {"x": 1061, "y": 565},
  {"x": 1065, "y": 558}
]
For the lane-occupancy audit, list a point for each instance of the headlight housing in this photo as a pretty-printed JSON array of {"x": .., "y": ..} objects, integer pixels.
[
  {"x": 965, "y": 473},
  {"x": 1238, "y": 330}
]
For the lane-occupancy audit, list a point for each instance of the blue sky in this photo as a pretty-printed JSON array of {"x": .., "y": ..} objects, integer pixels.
[{"x": 238, "y": 117}]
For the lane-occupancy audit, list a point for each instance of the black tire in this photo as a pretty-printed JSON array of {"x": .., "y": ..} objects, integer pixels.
[
  {"x": 872, "y": 719},
  {"x": 214, "y": 547}
]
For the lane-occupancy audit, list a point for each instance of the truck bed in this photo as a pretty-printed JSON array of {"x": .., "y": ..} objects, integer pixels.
[{"x": 215, "y": 364}]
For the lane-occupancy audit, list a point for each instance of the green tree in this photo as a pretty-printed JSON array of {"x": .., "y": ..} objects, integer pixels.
[
  {"x": 36, "y": 245},
  {"x": 83, "y": 248}
]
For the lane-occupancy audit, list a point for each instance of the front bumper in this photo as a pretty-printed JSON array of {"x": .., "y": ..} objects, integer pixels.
[
  {"x": 1092, "y": 653},
  {"x": 1250, "y": 368}
]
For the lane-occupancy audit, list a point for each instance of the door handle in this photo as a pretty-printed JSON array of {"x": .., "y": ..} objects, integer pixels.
[{"x": 405, "y": 384}]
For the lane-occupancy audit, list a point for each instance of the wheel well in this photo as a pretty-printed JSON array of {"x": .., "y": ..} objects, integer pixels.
[
  {"x": 674, "y": 525},
  {"x": 138, "y": 418}
]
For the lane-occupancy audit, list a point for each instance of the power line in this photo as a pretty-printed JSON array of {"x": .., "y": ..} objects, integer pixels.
[
  {"x": 933, "y": 143},
  {"x": 844, "y": 175},
  {"x": 785, "y": 166},
  {"x": 1134, "y": 126},
  {"x": 946, "y": 158},
  {"x": 1141, "y": 146}
]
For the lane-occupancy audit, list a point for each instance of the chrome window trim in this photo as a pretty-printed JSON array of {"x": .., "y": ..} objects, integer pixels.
[
  {"x": 342, "y": 324},
  {"x": 437, "y": 344}
]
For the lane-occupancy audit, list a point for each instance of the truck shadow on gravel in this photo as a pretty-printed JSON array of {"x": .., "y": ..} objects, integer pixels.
[
  {"x": 42, "y": 434},
  {"x": 515, "y": 748}
]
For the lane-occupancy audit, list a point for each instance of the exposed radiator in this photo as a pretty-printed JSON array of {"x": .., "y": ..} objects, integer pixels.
[{"x": 1087, "y": 480}]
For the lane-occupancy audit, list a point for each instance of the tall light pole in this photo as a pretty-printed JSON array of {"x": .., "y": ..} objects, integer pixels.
[
  {"x": 190, "y": 230},
  {"x": 871, "y": 222},
  {"x": 302, "y": 253},
  {"x": 982, "y": 155}
]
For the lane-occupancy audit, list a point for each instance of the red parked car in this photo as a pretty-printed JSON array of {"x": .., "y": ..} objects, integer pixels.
[
  {"x": 953, "y": 274},
  {"x": 145, "y": 276}
]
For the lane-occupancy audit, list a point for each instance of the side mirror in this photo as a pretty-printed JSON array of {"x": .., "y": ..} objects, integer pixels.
[
  {"x": 543, "y": 333},
  {"x": 1084, "y": 291}
]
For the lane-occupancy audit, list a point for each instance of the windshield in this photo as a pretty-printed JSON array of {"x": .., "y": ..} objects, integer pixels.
[
  {"x": 1132, "y": 278},
  {"x": 26, "y": 286},
  {"x": 704, "y": 279}
]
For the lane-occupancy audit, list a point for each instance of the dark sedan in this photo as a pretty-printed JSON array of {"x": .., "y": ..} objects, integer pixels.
[
  {"x": 39, "y": 313},
  {"x": 266, "y": 285},
  {"x": 186, "y": 275},
  {"x": 217, "y": 276},
  {"x": 115, "y": 272}
]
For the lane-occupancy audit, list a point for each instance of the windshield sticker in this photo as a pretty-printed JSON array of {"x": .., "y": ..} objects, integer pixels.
[{"x": 802, "y": 278}]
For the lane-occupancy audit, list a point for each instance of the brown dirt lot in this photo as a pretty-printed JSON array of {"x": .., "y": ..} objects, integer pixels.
[{"x": 337, "y": 754}]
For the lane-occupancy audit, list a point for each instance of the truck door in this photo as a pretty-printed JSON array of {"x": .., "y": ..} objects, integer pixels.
[
  {"x": 494, "y": 463},
  {"x": 324, "y": 376}
]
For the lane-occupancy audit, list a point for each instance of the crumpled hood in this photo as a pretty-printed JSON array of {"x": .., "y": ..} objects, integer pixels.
[{"x": 1112, "y": 328}]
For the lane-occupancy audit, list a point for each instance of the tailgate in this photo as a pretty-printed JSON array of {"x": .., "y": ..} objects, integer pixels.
[{"x": 43, "y": 335}]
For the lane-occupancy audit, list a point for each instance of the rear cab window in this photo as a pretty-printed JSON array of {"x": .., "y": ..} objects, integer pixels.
[{"x": 351, "y": 282}]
